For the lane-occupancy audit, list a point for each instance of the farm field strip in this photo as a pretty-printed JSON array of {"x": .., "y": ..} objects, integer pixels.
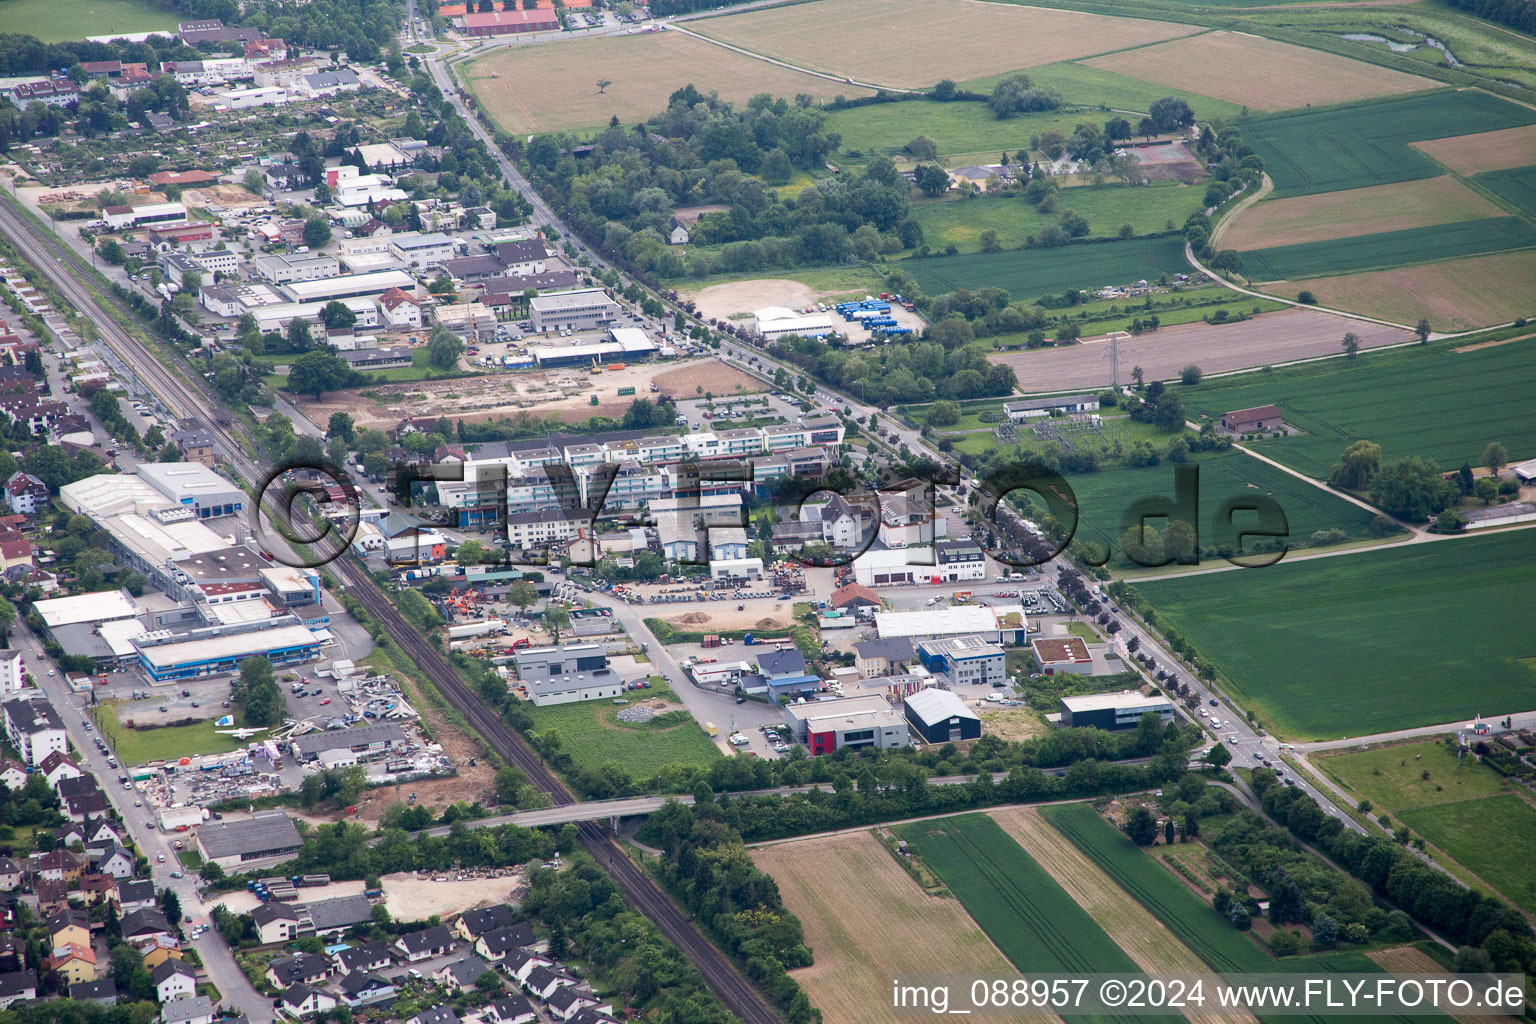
[
  {"x": 1395, "y": 622},
  {"x": 1259, "y": 73},
  {"x": 1368, "y": 144},
  {"x": 1408, "y": 960},
  {"x": 1484, "y": 151},
  {"x": 1430, "y": 402},
  {"x": 867, "y": 921},
  {"x": 958, "y": 221},
  {"x": 872, "y": 40},
  {"x": 1027, "y": 915},
  {"x": 550, "y": 88},
  {"x": 1391, "y": 248},
  {"x": 1492, "y": 837},
  {"x": 1275, "y": 337},
  {"x": 1142, "y": 937},
  {"x": 1516, "y": 186},
  {"x": 1353, "y": 213},
  {"x": 1453, "y": 295}
]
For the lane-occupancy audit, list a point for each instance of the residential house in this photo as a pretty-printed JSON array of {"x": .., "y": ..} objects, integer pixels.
[
  {"x": 371, "y": 956},
  {"x": 52, "y": 896},
  {"x": 158, "y": 950},
  {"x": 399, "y": 310},
  {"x": 173, "y": 979},
  {"x": 25, "y": 494},
  {"x": 275, "y": 922},
  {"x": 543, "y": 981},
  {"x": 135, "y": 894},
  {"x": 13, "y": 775},
  {"x": 960, "y": 560},
  {"x": 16, "y": 986},
  {"x": 112, "y": 860},
  {"x": 99, "y": 832},
  {"x": 883, "y": 657},
  {"x": 74, "y": 962},
  {"x": 495, "y": 946},
  {"x": 513, "y": 1009},
  {"x": 10, "y": 875},
  {"x": 459, "y": 975},
  {"x": 425, "y": 944},
  {"x": 58, "y": 766},
  {"x": 565, "y": 1001},
  {"x": 303, "y": 1001},
  {"x": 146, "y": 927},
  {"x": 34, "y": 727},
  {"x": 187, "y": 1010},
  {"x": 360, "y": 988},
  {"x": 475, "y": 923},
  {"x": 299, "y": 969},
  {"x": 1242, "y": 421},
  {"x": 520, "y": 964},
  {"x": 435, "y": 1015},
  {"x": 68, "y": 926},
  {"x": 103, "y": 992},
  {"x": 84, "y": 805},
  {"x": 96, "y": 887},
  {"x": 56, "y": 866}
]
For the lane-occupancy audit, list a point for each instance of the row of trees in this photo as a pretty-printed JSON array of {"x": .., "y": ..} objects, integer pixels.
[{"x": 1413, "y": 488}]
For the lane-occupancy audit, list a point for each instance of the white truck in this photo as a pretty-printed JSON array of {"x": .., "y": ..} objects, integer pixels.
[{"x": 482, "y": 628}]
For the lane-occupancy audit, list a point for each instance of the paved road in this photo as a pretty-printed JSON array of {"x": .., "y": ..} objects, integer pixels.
[{"x": 226, "y": 975}]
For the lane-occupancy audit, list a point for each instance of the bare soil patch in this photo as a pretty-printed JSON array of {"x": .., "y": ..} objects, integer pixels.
[
  {"x": 758, "y": 614},
  {"x": 566, "y": 393},
  {"x": 548, "y": 88},
  {"x": 1268, "y": 338},
  {"x": 914, "y": 43},
  {"x": 224, "y": 195},
  {"x": 720, "y": 301},
  {"x": 1144, "y": 938},
  {"x": 1491, "y": 344},
  {"x": 1011, "y": 723},
  {"x": 1258, "y": 73},
  {"x": 867, "y": 920},
  {"x": 1354, "y": 212},
  {"x": 1460, "y": 294},
  {"x": 1408, "y": 960},
  {"x": 407, "y": 897},
  {"x": 1483, "y": 151},
  {"x": 712, "y": 375}
]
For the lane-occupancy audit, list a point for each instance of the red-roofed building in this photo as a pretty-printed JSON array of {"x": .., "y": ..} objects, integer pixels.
[
  {"x": 1264, "y": 417},
  {"x": 501, "y": 23},
  {"x": 26, "y": 494},
  {"x": 400, "y": 309},
  {"x": 182, "y": 179}
]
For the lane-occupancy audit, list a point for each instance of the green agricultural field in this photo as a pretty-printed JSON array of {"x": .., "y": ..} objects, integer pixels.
[
  {"x": 136, "y": 746},
  {"x": 1079, "y": 83},
  {"x": 593, "y": 737},
  {"x": 1389, "y": 249},
  {"x": 1367, "y": 143},
  {"x": 1031, "y": 273},
  {"x": 1371, "y": 641},
  {"x": 1104, "y": 498},
  {"x": 1169, "y": 900},
  {"x": 1390, "y": 777},
  {"x": 1492, "y": 837},
  {"x": 955, "y": 221},
  {"x": 58, "y": 21},
  {"x": 1016, "y": 902},
  {"x": 1516, "y": 186},
  {"x": 860, "y": 279},
  {"x": 1432, "y": 402}
]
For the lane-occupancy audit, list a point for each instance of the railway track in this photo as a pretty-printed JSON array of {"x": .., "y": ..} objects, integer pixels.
[{"x": 195, "y": 403}]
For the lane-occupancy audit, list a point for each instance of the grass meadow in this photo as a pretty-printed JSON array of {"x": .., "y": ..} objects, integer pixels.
[
  {"x": 593, "y": 737},
  {"x": 957, "y": 221},
  {"x": 1031, "y": 273},
  {"x": 58, "y": 21},
  {"x": 961, "y": 127},
  {"x": 1392, "y": 777},
  {"x": 1368, "y": 143},
  {"x": 1492, "y": 837},
  {"x": 136, "y": 746},
  {"x": 1427, "y": 401},
  {"x": 1389, "y": 249},
  {"x": 1370, "y": 641}
]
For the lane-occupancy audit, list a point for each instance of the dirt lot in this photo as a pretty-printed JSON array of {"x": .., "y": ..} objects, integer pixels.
[
  {"x": 1354, "y": 212},
  {"x": 1453, "y": 294},
  {"x": 1258, "y": 73},
  {"x": 867, "y": 921},
  {"x": 407, "y": 897},
  {"x": 960, "y": 39},
  {"x": 471, "y": 784},
  {"x": 566, "y": 393},
  {"x": 713, "y": 375},
  {"x": 1268, "y": 338},
  {"x": 721, "y": 301},
  {"x": 224, "y": 195},
  {"x": 548, "y": 88},
  {"x": 710, "y": 616},
  {"x": 1484, "y": 151},
  {"x": 1143, "y": 937}
]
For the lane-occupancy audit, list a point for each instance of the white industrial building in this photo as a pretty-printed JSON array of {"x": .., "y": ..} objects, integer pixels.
[
  {"x": 1038, "y": 408},
  {"x": 778, "y": 321},
  {"x": 890, "y": 566},
  {"x": 275, "y": 317},
  {"x": 120, "y": 217},
  {"x": 96, "y": 607},
  {"x": 581, "y": 310},
  {"x": 350, "y": 286},
  {"x": 280, "y": 268},
  {"x": 939, "y": 623},
  {"x": 195, "y": 486},
  {"x": 420, "y": 250},
  {"x": 1123, "y": 710},
  {"x": 826, "y": 726},
  {"x": 256, "y": 96}
]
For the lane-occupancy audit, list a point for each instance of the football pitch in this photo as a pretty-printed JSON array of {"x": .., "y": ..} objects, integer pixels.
[{"x": 1364, "y": 643}]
